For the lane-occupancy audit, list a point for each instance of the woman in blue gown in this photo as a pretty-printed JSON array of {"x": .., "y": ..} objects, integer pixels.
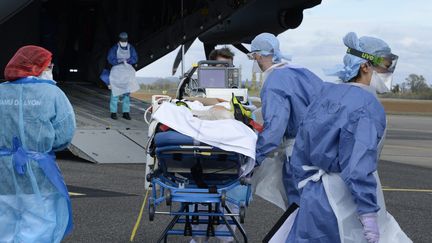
[
  {"x": 336, "y": 153},
  {"x": 37, "y": 120}
]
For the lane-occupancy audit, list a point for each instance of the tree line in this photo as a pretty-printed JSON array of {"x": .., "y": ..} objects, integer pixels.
[
  {"x": 414, "y": 87},
  {"x": 160, "y": 85}
]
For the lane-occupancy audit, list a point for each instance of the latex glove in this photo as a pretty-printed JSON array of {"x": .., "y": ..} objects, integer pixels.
[{"x": 370, "y": 227}]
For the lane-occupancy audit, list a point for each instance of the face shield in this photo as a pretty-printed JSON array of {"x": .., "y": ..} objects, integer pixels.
[
  {"x": 382, "y": 64},
  {"x": 386, "y": 63},
  {"x": 252, "y": 56}
]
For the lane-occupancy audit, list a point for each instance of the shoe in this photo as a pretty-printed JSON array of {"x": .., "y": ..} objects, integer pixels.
[
  {"x": 126, "y": 116},
  {"x": 114, "y": 116}
]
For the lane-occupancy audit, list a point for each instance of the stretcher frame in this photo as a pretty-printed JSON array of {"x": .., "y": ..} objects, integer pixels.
[{"x": 177, "y": 190}]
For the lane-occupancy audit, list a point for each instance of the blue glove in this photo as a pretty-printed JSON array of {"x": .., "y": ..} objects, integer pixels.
[{"x": 370, "y": 227}]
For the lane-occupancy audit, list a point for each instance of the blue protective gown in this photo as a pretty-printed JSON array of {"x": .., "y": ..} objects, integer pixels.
[
  {"x": 112, "y": 55},
  {"x": 339, "y": 134},
  {"x": 113, "y": 60},
  {"x": 36, "y": 120},
  {"x": 285, "y": 95}
]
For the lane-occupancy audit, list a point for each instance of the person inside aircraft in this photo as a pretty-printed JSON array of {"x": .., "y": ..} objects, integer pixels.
[
  {"x": 122, "y": 75},
  {"x": 222, "y": 54},
  {"x": 285, "y": 95},
  {"x": 37, "y": 120},
  {"x": 335, "y": 155}
]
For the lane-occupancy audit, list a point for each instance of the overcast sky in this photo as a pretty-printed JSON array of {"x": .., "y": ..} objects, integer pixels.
[{"x": 317, "y": 43}]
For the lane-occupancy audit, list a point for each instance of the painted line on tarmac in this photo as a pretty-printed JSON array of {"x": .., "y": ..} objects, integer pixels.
[
  {"x": 406, "y": 190},
  {"x": 405, "y": 147},
  {"x": 408, "y": 130},
  {"x": 80, "y": 192}
]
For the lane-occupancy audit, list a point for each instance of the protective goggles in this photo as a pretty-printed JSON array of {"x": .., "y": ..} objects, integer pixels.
[
  {"x": 251, "y": 55},
  {"x": 386, "y": 63}
]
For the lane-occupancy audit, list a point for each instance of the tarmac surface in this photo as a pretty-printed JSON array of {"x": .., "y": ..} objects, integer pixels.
[{"x": 106, "y": 198}]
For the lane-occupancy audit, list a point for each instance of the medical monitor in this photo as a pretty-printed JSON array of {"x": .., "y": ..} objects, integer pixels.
[
  {"x": 218, "y": 77},
  {"x": 212, "y": 77}
]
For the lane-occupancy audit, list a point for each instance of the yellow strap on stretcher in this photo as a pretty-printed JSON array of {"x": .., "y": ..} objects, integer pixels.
[
  {"x": 235, "y": 101},
  {"x": 204, "y": 153}
]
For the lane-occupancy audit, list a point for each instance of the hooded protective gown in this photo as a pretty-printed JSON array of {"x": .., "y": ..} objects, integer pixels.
[
  {"x": 285, "y": 95},
  {"x": 36, "y": 120},
  {"x": 339, "y": 134}
]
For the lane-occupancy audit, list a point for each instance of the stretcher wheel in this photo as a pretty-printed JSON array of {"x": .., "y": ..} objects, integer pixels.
[
  {"x": 242, "y": 214},
  {"x": 152, "y": 209},
  {"x": 223, "y": 198},
  {"x": 168, "y": 198},
  {"x": 149, "y": 177}
]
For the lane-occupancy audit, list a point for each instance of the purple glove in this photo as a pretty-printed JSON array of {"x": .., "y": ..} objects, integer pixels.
[{"x": 370, "y": 227}]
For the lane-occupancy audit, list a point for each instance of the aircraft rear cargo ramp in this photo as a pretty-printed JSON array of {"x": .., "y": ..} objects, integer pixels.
[{"x": 99, "y": 138}]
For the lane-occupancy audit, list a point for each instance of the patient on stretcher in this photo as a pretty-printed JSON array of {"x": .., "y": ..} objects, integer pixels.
[
  {"x": 213, "y": 160},
  {"x": 218, "y": 109},
  {"x": 195, "y": 125},
  {"x": 216, "y": 112}
]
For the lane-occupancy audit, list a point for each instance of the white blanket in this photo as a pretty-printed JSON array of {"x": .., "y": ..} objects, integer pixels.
[
  {"x": 198, "y": 106},
  {"x": 228, "y": 134}
]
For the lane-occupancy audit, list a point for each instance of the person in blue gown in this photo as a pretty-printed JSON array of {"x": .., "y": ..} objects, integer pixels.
[
  {"x": 339, "y": 138},
  {"x": 121, "y": 53},
  {"x": 286, "y": 92},
  {"x": 37, "y": 119}
]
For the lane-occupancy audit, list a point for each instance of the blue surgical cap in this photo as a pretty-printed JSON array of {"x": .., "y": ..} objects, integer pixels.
[
  {"x": 267, "y": 44},
  {"x": 123, "y": 36},
  {"x": 352, "y": 63}
]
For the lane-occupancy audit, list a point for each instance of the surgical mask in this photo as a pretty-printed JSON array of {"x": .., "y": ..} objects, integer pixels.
[
  {"x": 123, "y": 44},
  {"x": 47, "y": 74},
  {"x": 256, "y": 68},
  {"x": 381, "y": 81}
]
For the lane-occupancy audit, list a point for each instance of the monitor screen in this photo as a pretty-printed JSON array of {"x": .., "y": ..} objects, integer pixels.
[{"x": 211, "y": 78}]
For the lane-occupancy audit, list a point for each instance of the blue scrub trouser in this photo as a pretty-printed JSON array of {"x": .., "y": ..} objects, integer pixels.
[{"x": 125, "y": 103}]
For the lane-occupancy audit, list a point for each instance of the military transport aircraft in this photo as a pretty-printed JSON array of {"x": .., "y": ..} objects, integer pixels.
[{"x": 79, "y": 33}]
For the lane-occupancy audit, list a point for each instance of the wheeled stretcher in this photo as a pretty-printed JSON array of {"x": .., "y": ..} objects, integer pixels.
[
  {"x": 206, "y": 184},
  {"x": 189, "y": 176}
]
